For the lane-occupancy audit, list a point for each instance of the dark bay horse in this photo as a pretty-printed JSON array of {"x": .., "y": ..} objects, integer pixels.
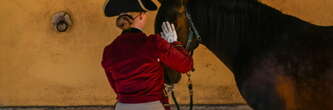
[{"x": 279, "y": 62}]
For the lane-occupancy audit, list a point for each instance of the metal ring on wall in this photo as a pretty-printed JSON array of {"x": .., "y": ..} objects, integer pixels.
[{"x": 62, "y": 21}]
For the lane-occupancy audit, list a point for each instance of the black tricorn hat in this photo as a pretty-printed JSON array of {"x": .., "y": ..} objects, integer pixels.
[{"x": 116, "y": 7}]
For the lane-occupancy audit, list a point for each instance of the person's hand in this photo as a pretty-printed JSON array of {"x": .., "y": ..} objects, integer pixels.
[{"x": 169, "y": 32}]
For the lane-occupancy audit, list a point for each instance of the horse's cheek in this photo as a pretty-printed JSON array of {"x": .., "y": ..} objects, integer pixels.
[{"x": 181, "y": 28}]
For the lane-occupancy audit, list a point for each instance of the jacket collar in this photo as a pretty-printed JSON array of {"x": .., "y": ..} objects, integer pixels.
[{"x": 132, "y": 30}]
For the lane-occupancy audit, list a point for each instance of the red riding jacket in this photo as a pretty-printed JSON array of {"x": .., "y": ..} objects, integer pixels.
[{"x": 133, "y": 65}]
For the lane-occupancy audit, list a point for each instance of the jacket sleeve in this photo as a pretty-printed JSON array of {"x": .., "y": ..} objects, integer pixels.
[
  {"x": 106, "y": 64},
  {"x": 111, "y": 81},
  {"x": 173, "y": 56}
]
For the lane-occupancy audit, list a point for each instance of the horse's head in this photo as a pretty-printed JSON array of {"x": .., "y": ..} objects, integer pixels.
[{"x": 174, "y": 12}]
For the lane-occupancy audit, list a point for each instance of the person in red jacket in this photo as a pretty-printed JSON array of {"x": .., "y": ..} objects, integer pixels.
[{"x": 133, "y": 63}]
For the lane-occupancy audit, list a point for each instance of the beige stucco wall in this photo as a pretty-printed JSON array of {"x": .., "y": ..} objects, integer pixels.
[
  {"x": 39, "y": 66},
  {"x": 315, "y": 11}
]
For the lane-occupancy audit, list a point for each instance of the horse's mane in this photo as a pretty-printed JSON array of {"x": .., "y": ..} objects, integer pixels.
[{"x": 227, "y": 26}]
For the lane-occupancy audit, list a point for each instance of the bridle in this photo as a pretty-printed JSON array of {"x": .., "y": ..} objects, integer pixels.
[
  {"x": 193, "y": 33},
  {"x": 193, "y": 30}
]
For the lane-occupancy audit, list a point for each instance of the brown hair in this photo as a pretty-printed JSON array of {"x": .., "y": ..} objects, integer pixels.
[{"x": 125, "y": 20}]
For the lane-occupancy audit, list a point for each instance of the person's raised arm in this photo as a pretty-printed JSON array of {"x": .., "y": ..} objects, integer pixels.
[{"x": 172, "y": 53}]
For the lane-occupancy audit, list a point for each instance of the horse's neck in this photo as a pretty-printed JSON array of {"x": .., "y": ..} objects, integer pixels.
[{"x": 232, "y": 33}]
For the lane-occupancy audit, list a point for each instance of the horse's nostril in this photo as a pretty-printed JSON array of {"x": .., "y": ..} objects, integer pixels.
[{"x": 61, "y": 21}]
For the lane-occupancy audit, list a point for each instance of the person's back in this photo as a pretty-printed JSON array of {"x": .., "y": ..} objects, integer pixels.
[
  {"x": 135, "y": 67},
  {"x": 135, "y": 63}
]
